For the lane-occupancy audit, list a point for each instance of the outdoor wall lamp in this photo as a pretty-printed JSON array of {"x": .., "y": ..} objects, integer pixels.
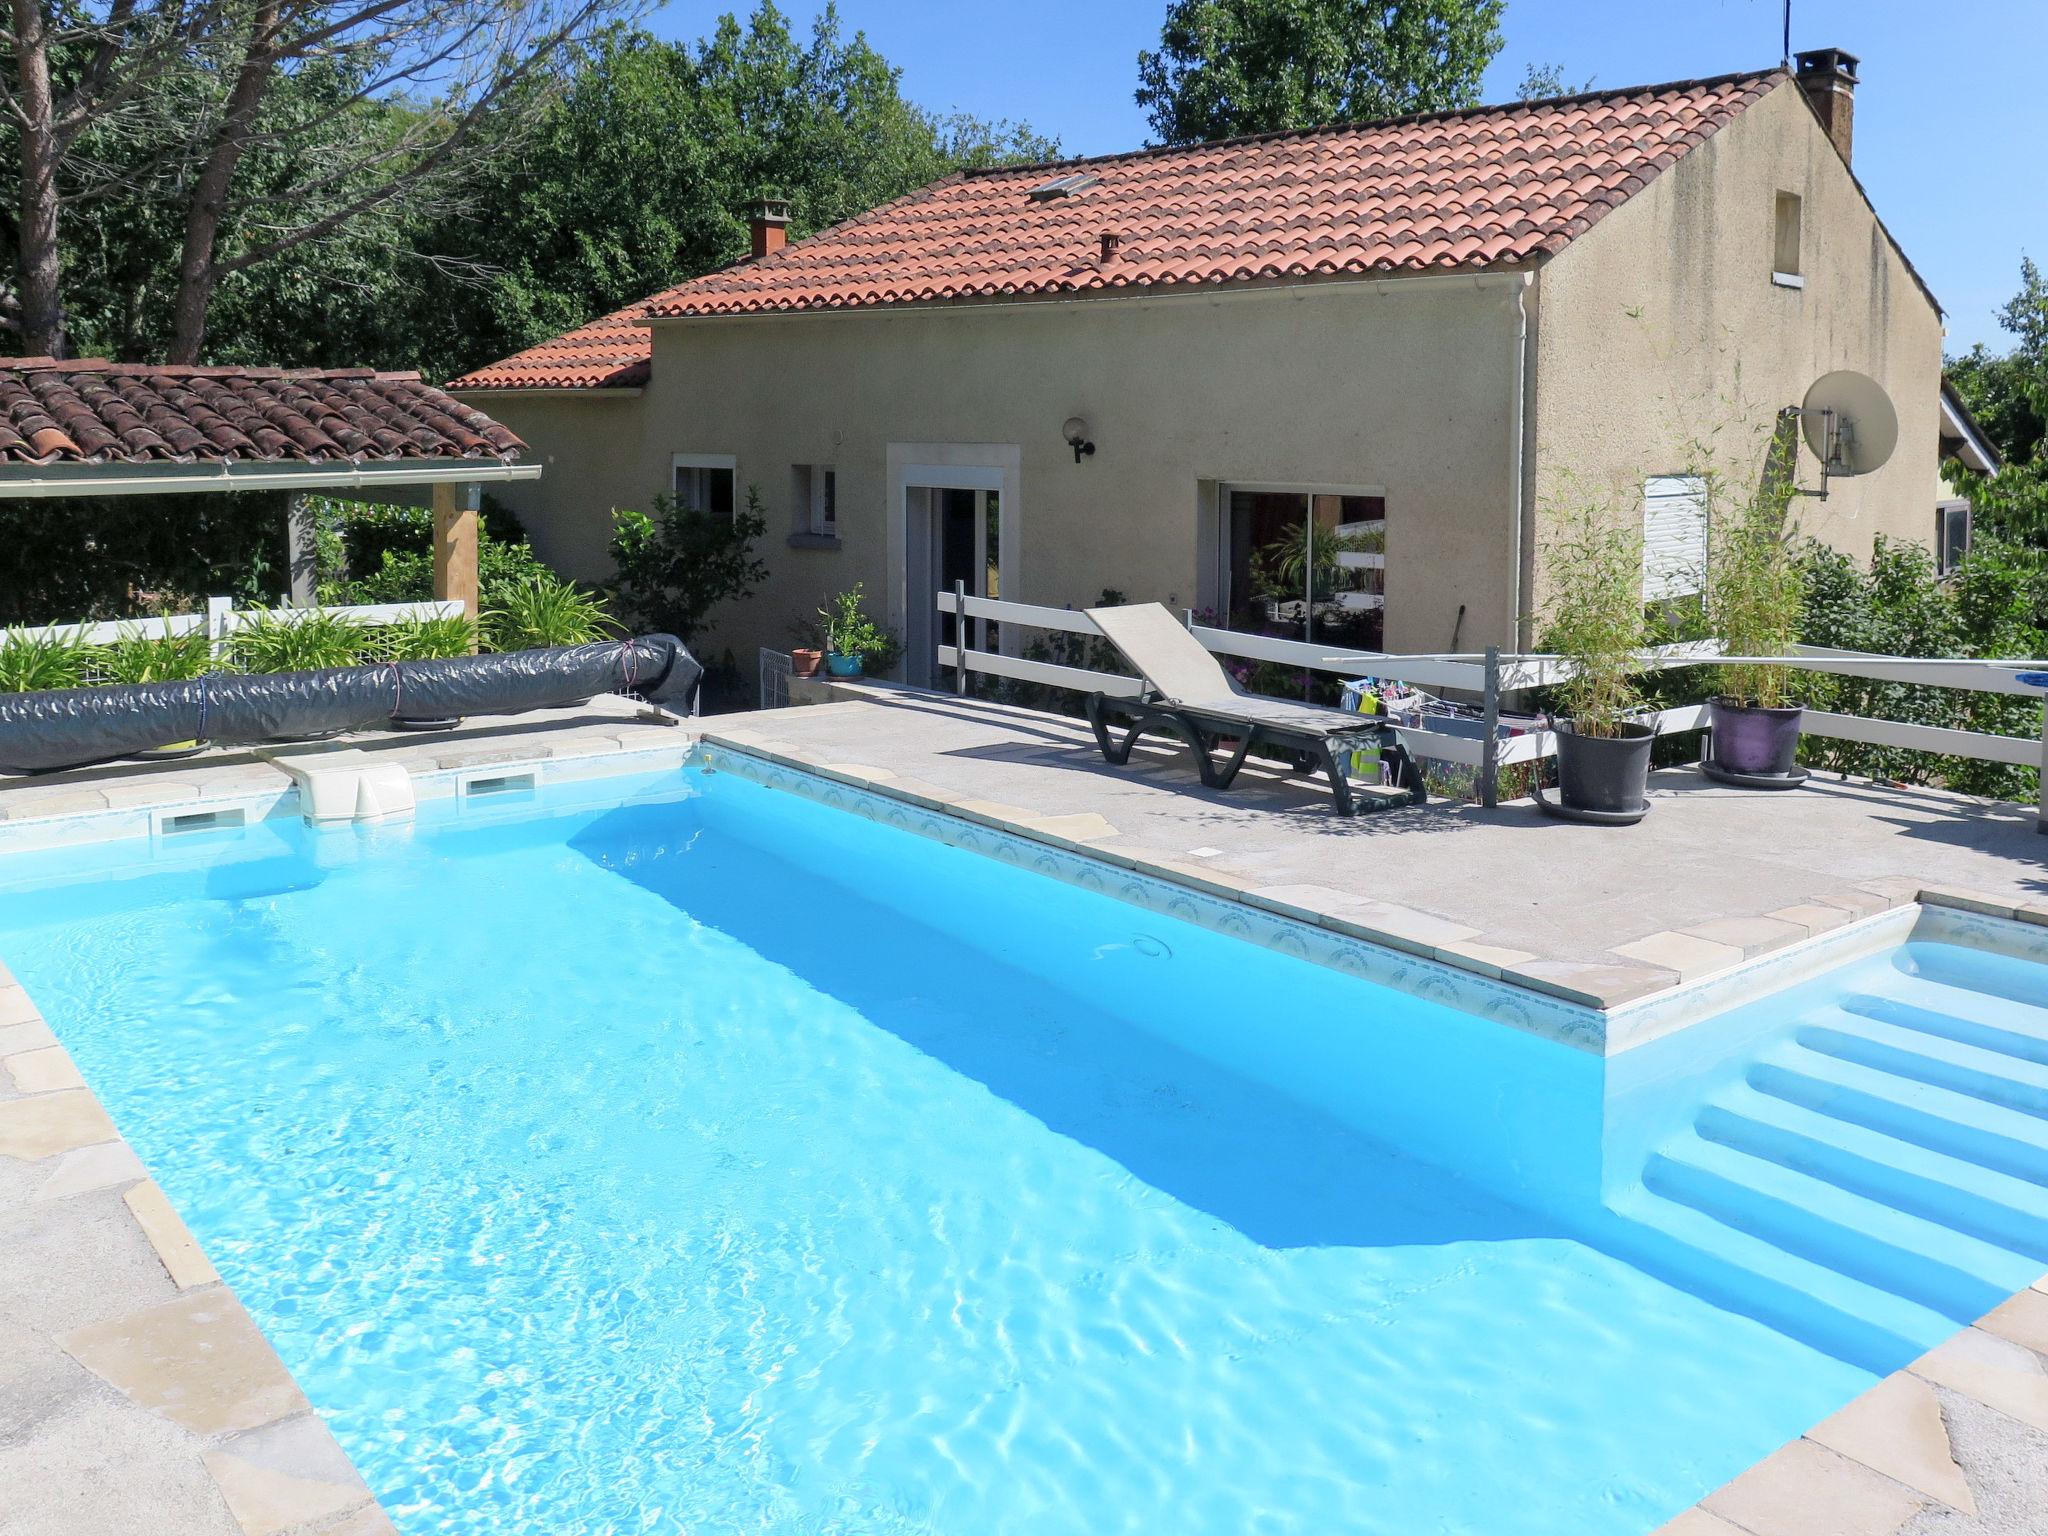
[{"x": 1075, "y": 431}]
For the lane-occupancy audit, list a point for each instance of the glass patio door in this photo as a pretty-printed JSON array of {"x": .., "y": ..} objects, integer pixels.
[{"x": 1306, "y": 565}]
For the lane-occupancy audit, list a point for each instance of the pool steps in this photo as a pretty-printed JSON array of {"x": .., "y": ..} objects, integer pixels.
[{"x": 1877, "y": 1178}]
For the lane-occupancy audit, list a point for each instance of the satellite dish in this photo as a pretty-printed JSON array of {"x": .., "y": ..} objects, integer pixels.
[{"x": 1849, "y": 424}]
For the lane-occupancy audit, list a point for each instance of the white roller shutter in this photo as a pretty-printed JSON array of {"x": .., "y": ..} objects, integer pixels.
[{"x": 1674, "y": 537}]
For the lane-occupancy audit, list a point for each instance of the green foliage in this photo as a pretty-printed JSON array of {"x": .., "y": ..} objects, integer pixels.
[
  {"x": 136, "y": 657},
  {"x": 1227, "y": 67},
  {"x": 298, "y": 640},
  {"x": 546, "y": 611},
  {"x": 1756, "y": 589},
  {"x": 2008, "y": 395},
  {"x": 32, "y": 663},
  {"x": 1542, "y": 81},
  {"x": 641, "y": 175},
  {"x": 677, "y": 565},
  {"x": 1594, "y": 563},
  {"x": 1280, "y": 568},
  {"x": 851, "y": 631},
  {"x": 114, "y": 557},
  {"x": 1898, "y": 607},
  {"x": 428, "y": 639}
]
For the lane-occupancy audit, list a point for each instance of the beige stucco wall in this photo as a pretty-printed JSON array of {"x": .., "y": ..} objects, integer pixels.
[
  {"x": 1403, "y": 387},
  {"x": 1661, "y": 329},
  {"x": 1656, "y": 331}
]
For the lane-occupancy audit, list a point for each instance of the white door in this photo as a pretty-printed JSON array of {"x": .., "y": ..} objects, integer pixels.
[{"x": 952, "y": 533}]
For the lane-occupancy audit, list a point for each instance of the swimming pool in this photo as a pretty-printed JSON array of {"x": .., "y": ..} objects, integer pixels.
[{"x": 690, "y": 1156}]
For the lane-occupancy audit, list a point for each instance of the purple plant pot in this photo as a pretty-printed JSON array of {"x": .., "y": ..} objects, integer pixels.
[{"x": 1757, "y": 742}]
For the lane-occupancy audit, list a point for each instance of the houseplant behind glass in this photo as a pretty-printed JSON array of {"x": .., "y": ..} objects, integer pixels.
[
  {"x": 1595, "y": 564},
  {"x": 1755, "y": 592}
]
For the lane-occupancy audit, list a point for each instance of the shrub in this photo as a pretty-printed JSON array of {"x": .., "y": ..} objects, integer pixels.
[
  {"x": 546, "y": 611},
  {"x": 428, "y": 639},
  {"x": 298, "y": 640},
  {"x": 676, "y": 565},
  {"x": 1756, "y": 585},
  {"x": 139, "y": 658},
  {"x": 33, "y": 663}
]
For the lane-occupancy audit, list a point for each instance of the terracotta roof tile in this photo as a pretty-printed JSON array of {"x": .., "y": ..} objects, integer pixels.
[
  {"x": 92, "y": 411},
  {"x": 1492, "y": 186}
]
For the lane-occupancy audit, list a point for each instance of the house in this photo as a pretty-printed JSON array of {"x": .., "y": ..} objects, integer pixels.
[{"x": 1326, "y": 381}]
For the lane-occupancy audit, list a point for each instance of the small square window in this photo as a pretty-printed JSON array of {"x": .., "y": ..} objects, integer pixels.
[
  {"x": 814, "y": 500},
  {"x": 1951, "y": 535},
  {"x": 703, "y": 482},
  {"x": 1785, "y": 242}
]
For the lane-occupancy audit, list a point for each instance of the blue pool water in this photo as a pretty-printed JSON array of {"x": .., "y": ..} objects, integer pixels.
[{"x": 705, "y": 1160}]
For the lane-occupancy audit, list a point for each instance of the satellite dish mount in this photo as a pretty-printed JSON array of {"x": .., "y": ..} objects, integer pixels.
[{"x": 1848, "y": 421}]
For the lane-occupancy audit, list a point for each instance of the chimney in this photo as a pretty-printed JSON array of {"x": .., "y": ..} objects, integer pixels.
[
  {"x": 770, "y": 226},
  {"x": 1110, "y": 242},
  {"x": 1828, "y": 76}
]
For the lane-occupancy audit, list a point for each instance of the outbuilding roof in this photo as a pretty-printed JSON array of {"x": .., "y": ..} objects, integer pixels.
[
  {"x": 1454, "y": 191},
  {"x": 95, "y": 412}
]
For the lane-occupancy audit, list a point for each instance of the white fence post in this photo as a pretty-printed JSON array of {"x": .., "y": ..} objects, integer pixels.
[
  {"x": 219, "y": 617},
  {"x": 1489, "y": 746},
  {"x": 2041, "y": 813}
]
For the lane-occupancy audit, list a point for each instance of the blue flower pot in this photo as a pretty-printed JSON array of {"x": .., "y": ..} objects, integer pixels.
[{"x": 842, "y": 666}]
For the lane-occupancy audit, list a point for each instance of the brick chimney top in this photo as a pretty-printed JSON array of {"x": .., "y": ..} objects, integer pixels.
[
  {"x": 1828, "y": 76},
  {"x": 770, "y": 226}
]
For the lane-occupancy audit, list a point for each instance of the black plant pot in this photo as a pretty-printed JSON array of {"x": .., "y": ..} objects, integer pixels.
[
  {"x": 1753, "y": 743},
  {"x": 1602, "y": 778}
]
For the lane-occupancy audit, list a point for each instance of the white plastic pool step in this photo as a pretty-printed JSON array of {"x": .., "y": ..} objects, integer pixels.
[
  {"x": 1949, "y": 1122},
  {"x": 345, "y": 784},
  {"x": 2020, "y": 994},
  {"x": 1950, "y": 1014},
  {"x": 1955, "y": 1192},
  {"x": 1850, "y": 1318},
  {"x": 1989, "y": 1075},
  {"x": 1866, "y": 1239}
]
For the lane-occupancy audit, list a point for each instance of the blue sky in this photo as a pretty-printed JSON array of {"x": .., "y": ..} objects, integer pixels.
[{"x": 1950, "y": 120}]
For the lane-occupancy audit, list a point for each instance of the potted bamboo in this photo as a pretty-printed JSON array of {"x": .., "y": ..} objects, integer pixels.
[
  {"x": 1595, "y": 567},
  {"x": 1755, "y": 593}
]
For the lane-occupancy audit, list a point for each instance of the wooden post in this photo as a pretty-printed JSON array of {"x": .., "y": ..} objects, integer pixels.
[
  {"x": 960, "y": 638},
  {"x": 455, "y": 507}
]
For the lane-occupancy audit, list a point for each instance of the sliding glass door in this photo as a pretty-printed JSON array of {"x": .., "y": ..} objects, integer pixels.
[{"x": 1305, "y": 565}]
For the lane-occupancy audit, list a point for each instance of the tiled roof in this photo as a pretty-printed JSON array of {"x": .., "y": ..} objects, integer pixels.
[
  {"x": 92, "y": 411},
  {"x": 1459, "y": 191}
]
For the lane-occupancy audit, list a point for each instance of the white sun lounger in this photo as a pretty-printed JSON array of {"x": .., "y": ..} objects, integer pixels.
[{"x": 1190, "y": 696}]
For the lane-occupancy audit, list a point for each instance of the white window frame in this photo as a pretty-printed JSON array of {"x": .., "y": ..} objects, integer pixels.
[
  {"x": 1672, "y": 573},
  {"x": 679, "y": 462},
  {"x": 1215, "y": 593},
  {"x": 1783, "y": 273}
]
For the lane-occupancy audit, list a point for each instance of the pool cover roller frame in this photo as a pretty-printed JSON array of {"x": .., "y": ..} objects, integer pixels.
[{"x": 75, "y": 727}]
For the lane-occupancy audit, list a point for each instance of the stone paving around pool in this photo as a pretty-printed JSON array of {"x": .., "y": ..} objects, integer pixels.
[{"x": 136, "y": 1395}]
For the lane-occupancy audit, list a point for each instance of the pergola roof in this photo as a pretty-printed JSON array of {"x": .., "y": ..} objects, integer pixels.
[{"x": 94, "y": 426}]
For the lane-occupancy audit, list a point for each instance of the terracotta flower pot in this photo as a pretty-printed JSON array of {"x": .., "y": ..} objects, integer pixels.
[{"x": 805, "y": 662}]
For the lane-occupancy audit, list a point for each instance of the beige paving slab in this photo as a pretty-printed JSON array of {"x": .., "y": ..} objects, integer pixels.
[
  {"x": 1995, "y": 1371},
  {"x": 370, "y": 1520},
  {"x": 199, "y": 1361},
  {"x": 286, "y": 1476},
  {"x": 1815, "y": 917},
  {"x": 16, "y": 1008},
  {"x": 1685, "y": 954},
  {"x": 1408, "y": 927},
  {"x": 1697, "y": 1522},
  {"x": 1808, "y": 1490},
  {"x": 48, "y": 1123},
  {"x": 45, "y": 1071},
  {"x": 183, "y": 1259},
  {"x": 1896, "y": 1428},
  {"x": 30, "y": 1035},
  {"x": 1751, "y": 935},
  {"x": 88, "y": 1168},
  {"x": 2023, "y": 1319}
]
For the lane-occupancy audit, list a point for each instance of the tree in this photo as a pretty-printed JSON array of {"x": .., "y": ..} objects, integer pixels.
[
  {"x": 2008, "y": 395},
  {"x": 1227, "y": 67},
  {"x": 163, "y": 102},
  {"x": 641, "y": 173},
  {"x": 1542, "y": 81},
  {"x": 677, "y": 565}
]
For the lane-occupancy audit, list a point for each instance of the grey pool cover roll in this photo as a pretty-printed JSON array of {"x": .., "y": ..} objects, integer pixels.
[{"x": 72, "y": 727}]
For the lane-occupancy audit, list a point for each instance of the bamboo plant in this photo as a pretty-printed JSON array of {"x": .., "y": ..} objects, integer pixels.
[
  {"x": 1594, "y": 563},
  {"x": 1756, "y": 592}
]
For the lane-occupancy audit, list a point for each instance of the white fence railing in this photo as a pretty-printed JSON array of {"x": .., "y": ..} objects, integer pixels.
[
  {"x": 222, "y": 618},
  {"x": 1490, "y": 676}
]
